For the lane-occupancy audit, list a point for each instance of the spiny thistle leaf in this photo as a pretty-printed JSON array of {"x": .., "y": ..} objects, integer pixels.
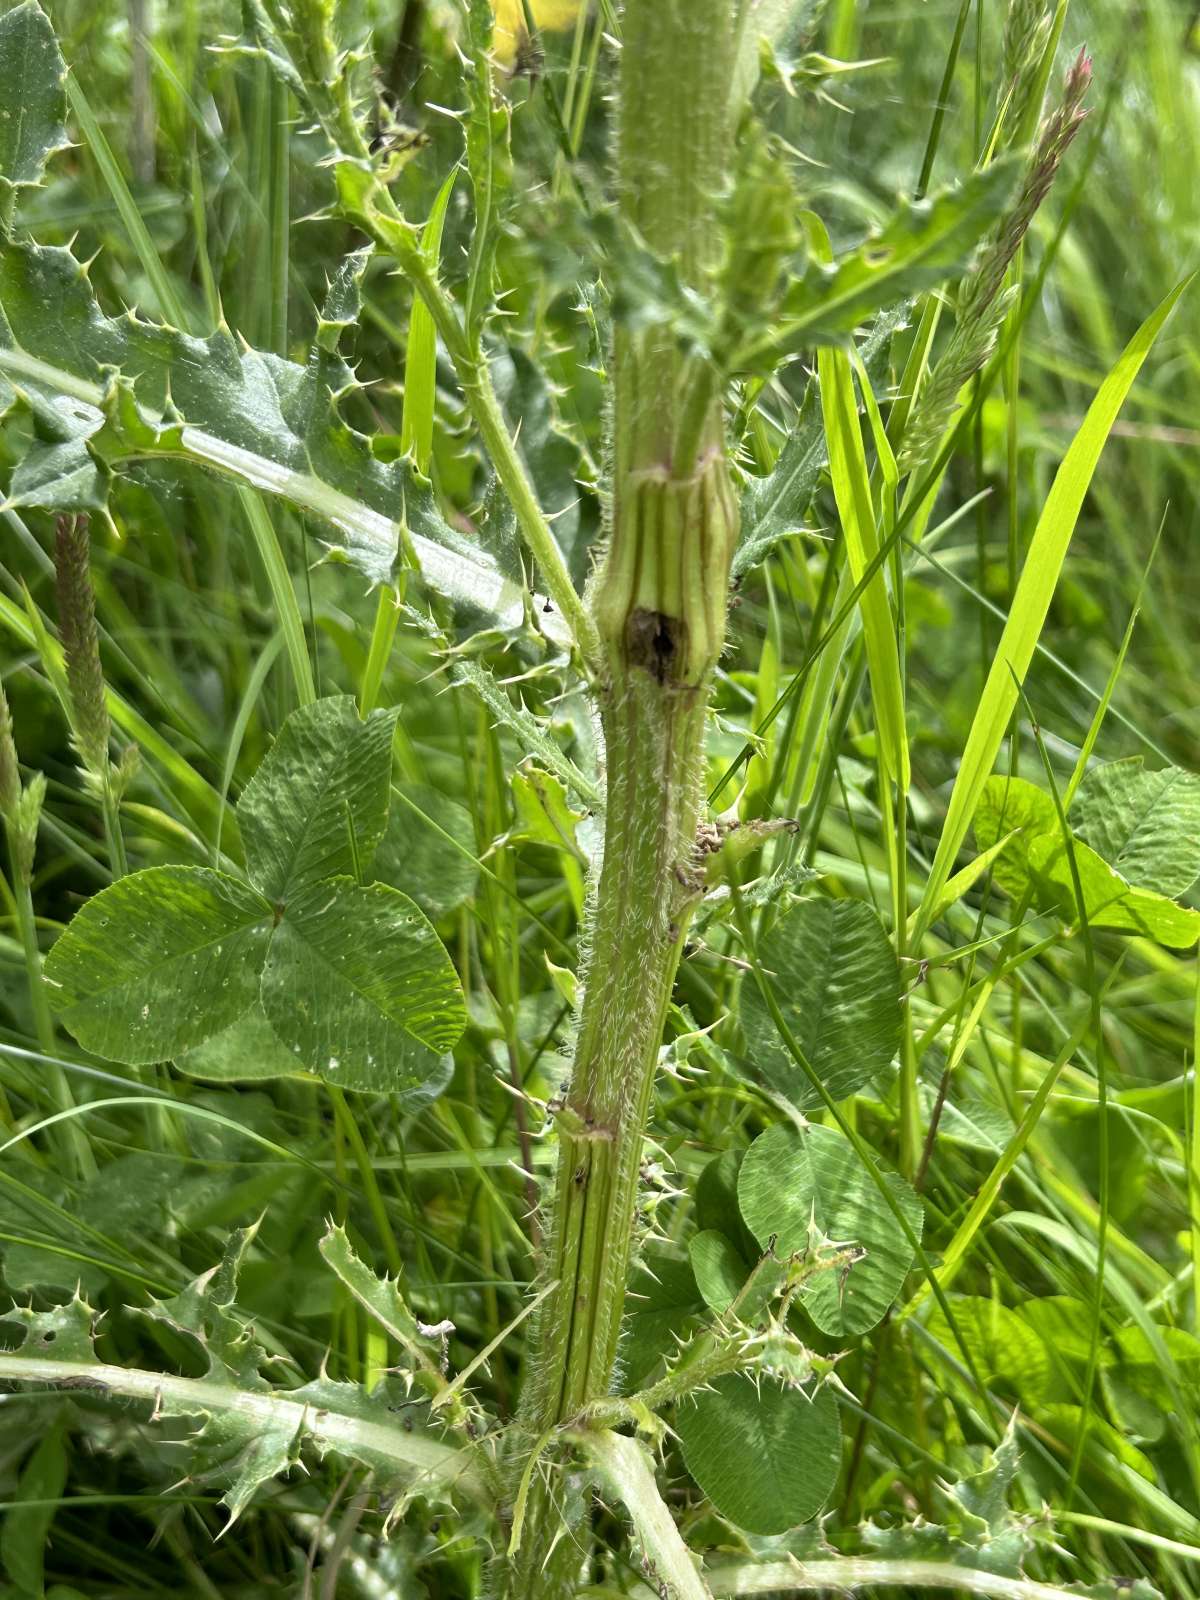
[
  {"x": 250, "y": 415},
  {"x": 244, "y": 1432},
  {"x": 762, "y": 230},
  {"x": 33, "y": 101},
  {"x": 64, "y": 1333},
  {"x": 981, "y": 1531},
  {"x": 763, "y": 26},
  {"x": 775, "y": 506},
  {"x": 381, "y": 1299},
  {"x": 300, "y": 43},
  {"x": 554, "y": 459},
  {"x": 524, "y": 727},
  {"x": 925, "y": 243},
  {"x": 343, "y": 300},
  {"x": 57, "y": 471},
  {"x": 206, "y": 1311}
]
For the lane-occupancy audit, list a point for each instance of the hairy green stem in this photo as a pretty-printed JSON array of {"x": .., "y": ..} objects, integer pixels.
[{"x": 657, "y": 609}]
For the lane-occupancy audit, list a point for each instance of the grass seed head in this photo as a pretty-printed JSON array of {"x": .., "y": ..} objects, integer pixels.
[
  {"x": 10, "y": 771},
  {"x": 81, "y": 645}
]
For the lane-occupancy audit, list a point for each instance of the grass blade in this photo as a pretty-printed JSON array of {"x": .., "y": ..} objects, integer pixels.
[
  {"x": 852, "y": 490},
  {"x": 1031, "y": 602}
]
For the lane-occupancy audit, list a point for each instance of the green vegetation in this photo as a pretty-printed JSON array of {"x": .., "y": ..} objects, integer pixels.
[{"x": 600, "y": 784}]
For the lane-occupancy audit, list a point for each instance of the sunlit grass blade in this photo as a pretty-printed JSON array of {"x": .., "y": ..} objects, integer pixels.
[
  {"x": 852, "y": 490},
  {"x": 420, "y": 360},
  {"x": 1031, "y": 603},
  {"x": 416, "y": 432}
]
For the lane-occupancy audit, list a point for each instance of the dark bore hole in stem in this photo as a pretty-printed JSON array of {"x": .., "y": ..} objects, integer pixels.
[{"x": 655, "y": 642}]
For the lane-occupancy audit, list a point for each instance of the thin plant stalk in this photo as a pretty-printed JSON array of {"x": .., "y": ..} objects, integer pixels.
[{"x": 20, "y": 810}]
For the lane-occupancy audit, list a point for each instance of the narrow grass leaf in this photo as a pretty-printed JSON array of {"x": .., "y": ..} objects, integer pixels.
[
  {"x": 856, "y": 511},
  {"x": 1031, "y": 602},
  {"x": 420, "y": 356},
  {"x": 29, "y": 1518},
  {"x": 963, "y": 882}
]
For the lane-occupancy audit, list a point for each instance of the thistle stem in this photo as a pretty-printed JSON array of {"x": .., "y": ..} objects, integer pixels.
[{"x": 657, "y": 612}]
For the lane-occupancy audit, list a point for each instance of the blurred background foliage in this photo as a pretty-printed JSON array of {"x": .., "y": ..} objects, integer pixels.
[{"x": 228, "y": 184}]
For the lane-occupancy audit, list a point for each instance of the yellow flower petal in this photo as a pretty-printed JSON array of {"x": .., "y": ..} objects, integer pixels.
[{"x": 510, "y": 21}]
